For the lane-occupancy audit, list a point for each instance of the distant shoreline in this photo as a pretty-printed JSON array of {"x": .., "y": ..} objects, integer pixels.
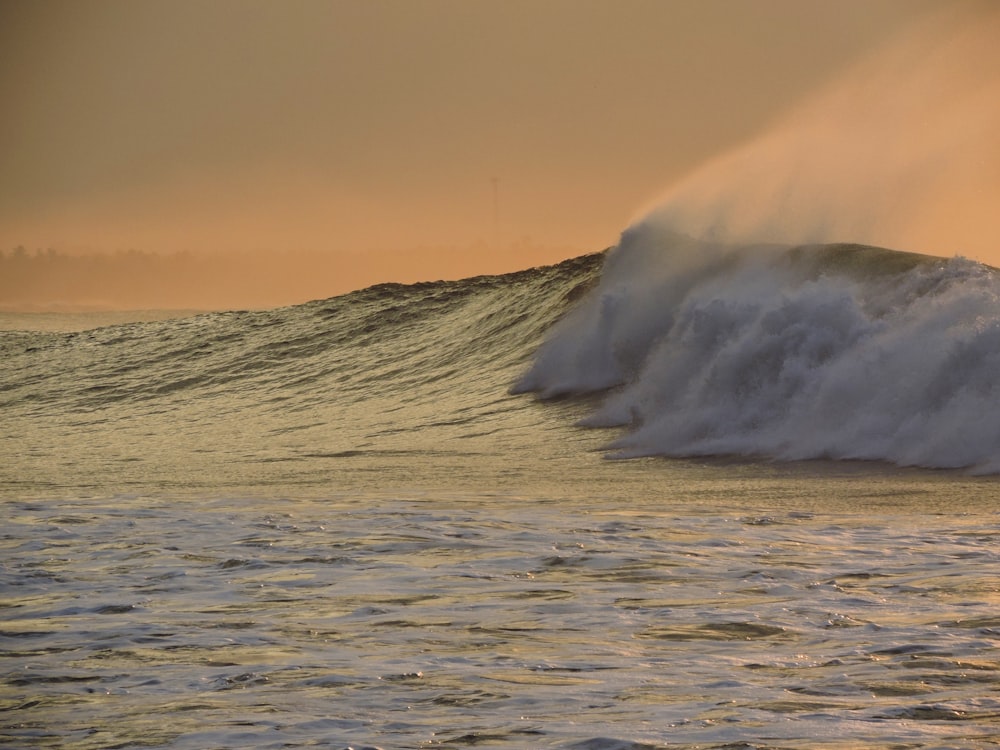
[{"x": 68, "y": 321}]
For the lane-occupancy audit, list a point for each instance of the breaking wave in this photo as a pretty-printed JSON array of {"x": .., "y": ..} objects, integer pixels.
[
  {"x": 832, "y": 351},
  {"x": 694, "y": 348}
]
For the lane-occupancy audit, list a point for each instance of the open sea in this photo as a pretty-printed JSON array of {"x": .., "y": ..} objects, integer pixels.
[{"x": 678, "y": 495}]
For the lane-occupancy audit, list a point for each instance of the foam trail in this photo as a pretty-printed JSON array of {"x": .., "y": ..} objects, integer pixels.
[{"x": 827, "y": 351}]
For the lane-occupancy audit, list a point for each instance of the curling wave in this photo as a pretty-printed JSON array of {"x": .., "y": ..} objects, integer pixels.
[{"x": 790, "y": 352}]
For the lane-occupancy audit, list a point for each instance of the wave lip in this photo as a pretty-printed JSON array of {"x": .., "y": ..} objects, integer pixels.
[{"x": 789, "y": 352}]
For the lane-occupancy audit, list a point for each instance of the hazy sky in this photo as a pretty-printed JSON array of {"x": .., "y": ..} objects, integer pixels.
[{"x": 351, "y": 128}]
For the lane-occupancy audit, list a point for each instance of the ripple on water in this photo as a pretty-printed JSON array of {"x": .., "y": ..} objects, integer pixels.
[{"x": 391, "y": 623}]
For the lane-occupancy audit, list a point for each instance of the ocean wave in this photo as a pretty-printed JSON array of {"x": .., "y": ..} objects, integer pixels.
[
  {"x": 373, "y": 388},
  {"x": 790, "y": 352},
  {"x": 388, "y": 337}
]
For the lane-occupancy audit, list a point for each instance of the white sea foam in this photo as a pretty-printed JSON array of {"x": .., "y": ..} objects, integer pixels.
[
  {"x": 719, "y": 346},
  {"x": 811, "y": 352}
]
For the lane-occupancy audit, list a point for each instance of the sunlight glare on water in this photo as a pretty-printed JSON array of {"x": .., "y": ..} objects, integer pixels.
[
  {"x": 333, "y": 525},
  {"x": 498, "y": 620}
]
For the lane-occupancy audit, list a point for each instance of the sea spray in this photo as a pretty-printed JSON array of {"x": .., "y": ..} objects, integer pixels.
[
  {"x": 901, "y": 151},
  {"x": 791, "y": 352},
  {"x": 733, "y": 318}
]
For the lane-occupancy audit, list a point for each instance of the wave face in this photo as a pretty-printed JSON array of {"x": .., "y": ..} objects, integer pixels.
[
  {"x": 807, "y": 352},
  {"x": 390, "y": 385},
  {"x": 694, "y": 348}
]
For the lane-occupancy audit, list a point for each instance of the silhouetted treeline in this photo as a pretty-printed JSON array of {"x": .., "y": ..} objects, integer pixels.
[
  {"x": 46, "y": 278},
  {"x": 133, "y": 279}
]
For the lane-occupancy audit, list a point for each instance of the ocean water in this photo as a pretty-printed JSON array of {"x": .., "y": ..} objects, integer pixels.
[{"x": 679, "y": 495}]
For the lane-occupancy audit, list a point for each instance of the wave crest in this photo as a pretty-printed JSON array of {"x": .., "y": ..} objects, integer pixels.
[{"x": 820, "y": 351}]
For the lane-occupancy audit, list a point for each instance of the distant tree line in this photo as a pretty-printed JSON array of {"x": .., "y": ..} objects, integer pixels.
[
  {"x": 135, "y": 279},
  {"x": 130, "y": 278}
]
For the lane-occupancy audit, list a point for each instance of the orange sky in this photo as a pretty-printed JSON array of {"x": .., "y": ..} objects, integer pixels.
[
  {"x": 359, "y": 130},
  {"x": 901, "y": 149}
]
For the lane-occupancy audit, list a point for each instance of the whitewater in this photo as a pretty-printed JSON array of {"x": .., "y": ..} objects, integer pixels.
[
  {"x": 681, "y": 494},
  {"x": 824, "y": 351}
]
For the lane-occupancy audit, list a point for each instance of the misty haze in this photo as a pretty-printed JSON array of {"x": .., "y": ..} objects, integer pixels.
[{"x": 559, "y": 374}]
